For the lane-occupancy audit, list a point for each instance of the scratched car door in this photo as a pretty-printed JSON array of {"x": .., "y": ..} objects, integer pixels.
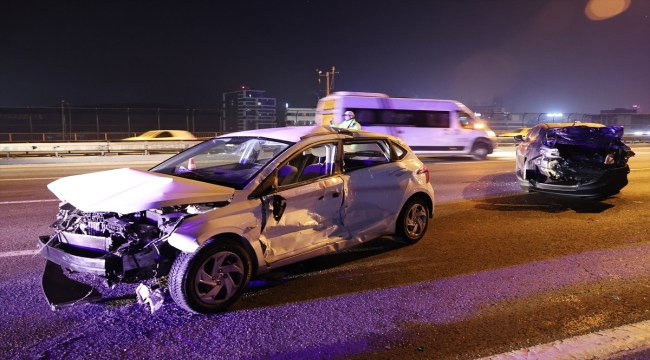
[{"x": 305, "y": 211}]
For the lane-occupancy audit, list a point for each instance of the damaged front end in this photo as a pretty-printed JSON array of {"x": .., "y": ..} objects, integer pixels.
[
  {"x": 579, "y": 161},
  {"x": 121, "y": 248}
]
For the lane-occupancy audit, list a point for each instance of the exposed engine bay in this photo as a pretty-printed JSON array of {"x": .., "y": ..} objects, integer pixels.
[
  {"x": 133, "y": 246},
  {"x": 580, "y": 154}
]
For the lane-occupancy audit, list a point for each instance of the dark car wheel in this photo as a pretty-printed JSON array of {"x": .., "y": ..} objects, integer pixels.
[
  {"x": 480, "y": 151},
  {"x": 211, "y": 279},
  {"x": 413, "y": 221}
]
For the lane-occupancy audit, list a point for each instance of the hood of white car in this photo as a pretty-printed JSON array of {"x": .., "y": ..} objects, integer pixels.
[{"x": 128, "y": 190}]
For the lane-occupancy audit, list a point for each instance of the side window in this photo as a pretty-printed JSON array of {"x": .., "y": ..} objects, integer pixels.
[
  {"x": 466, "y": 120},
  {"x": 400, "y": 153},
  {"x": 437, "y": 119},
  {"x": 164, "y": 134},
  {"x": 311, "y": 163},
  {"x": 365, "y": 116},
  {"x": 359, "y": 154}
]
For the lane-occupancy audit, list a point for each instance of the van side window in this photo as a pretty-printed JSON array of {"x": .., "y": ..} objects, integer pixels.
[
  {"x": 437, "y": 119},
  {"x": 396, "y": 117},
  {"x": 359, "y": 154},
  {"x": 365, "y": 116}
]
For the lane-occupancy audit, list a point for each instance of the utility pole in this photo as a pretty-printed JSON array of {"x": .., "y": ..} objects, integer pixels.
[{"x": 329, "y": 83}]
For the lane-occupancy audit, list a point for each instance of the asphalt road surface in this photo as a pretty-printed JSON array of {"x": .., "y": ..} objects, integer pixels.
[{"x": 498, "y": 270}]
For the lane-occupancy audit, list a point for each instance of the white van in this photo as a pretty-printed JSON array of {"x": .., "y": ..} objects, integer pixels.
[{"x": 428, "y": 126}]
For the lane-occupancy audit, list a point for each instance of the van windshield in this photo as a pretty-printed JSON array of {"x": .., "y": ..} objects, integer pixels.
[{"x": 467, "y": 121}]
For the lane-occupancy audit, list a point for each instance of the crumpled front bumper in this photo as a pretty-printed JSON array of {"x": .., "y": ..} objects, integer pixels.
[
  {"x": 82, "y": 254},
  {"x": 79, "y": 259},
  {"x": 609, "y": 183}
]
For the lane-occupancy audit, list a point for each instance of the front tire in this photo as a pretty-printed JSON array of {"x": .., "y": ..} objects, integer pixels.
[
  {"x": 213, "y": 278},
  {"x": 413, "y": 221},
  {"x": 480, "y": 151}
]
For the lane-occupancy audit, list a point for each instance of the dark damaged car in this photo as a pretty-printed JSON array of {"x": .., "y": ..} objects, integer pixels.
[{"x": 586, "y": 160}]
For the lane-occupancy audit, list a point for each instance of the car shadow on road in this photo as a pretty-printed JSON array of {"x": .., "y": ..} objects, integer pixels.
[
  {"x": 334, "y": 262},
  {"x": 543, "y": 203},
  {"x": 502, "y": 192}
]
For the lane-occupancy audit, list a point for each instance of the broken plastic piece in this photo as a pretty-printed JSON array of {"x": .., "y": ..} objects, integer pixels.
[
  {"x": 60, "y": 291},
  {"x": 147, "y": 295}
]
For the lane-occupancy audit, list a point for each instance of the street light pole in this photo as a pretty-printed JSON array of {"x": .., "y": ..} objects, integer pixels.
[
  {"x": 69, "y": 117},
  {"x": 329, "y": 85}
]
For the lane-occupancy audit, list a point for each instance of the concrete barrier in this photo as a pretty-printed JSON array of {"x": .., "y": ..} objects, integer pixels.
[
  {"x": 100, "y": 148},
  {"x": 146, "y": 147}
]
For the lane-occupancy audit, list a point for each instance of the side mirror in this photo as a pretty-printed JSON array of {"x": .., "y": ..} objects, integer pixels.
[
  {"x": 518, "y": 138},
  {"x": 268, "y": 185}
]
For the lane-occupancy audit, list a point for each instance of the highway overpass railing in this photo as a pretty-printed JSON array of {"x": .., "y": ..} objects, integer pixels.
[{"x": 149, "y": 147}]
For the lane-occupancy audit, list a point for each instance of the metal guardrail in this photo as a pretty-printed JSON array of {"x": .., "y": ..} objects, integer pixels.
[
  {"x": 101, "y": 148},
  {"x": 81, "y": 136},
  {"x": 147, "y": 147}
]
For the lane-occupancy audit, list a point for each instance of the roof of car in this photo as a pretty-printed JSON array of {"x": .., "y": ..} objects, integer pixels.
[
  {"x": 296, "y": 133},
  {"x": 557, "y": 125}
]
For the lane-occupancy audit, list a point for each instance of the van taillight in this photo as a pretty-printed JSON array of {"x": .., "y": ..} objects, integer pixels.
[{"x": 425, "y": 171}]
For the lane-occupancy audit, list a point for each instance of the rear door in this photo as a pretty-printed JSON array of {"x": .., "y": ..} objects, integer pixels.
[{"x": 374, "y": 186}]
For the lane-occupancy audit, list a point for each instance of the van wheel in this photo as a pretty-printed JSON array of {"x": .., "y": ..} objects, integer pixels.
[
  {"x": 211, "y": 279},
  {"x": 413, "y": 221},
  {"x": 480, "y": 151}
]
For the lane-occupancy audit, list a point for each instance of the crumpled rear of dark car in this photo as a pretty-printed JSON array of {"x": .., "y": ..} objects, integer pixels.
[{"x": 576, "y": 160}]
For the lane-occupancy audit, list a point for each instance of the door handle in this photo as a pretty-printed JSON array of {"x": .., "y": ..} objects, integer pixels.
[{"x": 336, "y": 194}]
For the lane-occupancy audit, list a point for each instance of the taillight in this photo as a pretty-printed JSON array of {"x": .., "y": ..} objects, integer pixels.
[{"x": 425, "y": 171}]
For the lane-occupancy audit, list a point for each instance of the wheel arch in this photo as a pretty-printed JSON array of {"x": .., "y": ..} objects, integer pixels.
[
  {"x": 244, "y": 242},
  {"x": 426, "y": 198},
  {"x": 483, "y": 140}
]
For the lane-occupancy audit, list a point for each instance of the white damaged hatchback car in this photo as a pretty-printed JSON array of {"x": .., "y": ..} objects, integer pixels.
[{"x": 237, "y": 206}]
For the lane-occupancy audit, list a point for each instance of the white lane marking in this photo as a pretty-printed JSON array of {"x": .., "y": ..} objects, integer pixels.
[
  {"x": 18, "y": 253},
  {"x": 598, "y": 345},
  {"x": 22, "y": 179},
  {"x": 26, "y": 201}
]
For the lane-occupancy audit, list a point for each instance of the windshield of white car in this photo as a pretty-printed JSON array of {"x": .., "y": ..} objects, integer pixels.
[{"x": 228, "y": 161}]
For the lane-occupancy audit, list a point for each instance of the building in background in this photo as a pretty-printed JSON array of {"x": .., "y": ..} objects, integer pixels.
[
  {"x": 299, "y": 116},
  {"x": 631, "y": 110},
  {"x": 248, "y": 109}
]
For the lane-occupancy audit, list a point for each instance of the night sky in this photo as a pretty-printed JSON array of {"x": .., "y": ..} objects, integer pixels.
[{"x": 529, "y": 55}]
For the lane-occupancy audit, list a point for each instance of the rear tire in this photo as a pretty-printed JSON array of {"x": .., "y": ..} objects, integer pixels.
[
  {"x": 211, "y": 279},
  {"x": 480, "y": 151},
  {"x": 413, "y": 221}
]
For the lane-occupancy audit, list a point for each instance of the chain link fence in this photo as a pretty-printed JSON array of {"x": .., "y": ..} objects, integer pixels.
[
  {"x": 80, "y": 123},
  {"x": 68, "y": 123}
]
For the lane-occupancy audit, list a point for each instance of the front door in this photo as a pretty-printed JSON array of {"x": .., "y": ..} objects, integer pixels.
[{"x": 305, "y": 211}]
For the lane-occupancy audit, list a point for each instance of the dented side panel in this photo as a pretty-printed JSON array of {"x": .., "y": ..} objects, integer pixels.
[
  {"x": 374, "y": 195},
  {"x": 310, "y": 218}
]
